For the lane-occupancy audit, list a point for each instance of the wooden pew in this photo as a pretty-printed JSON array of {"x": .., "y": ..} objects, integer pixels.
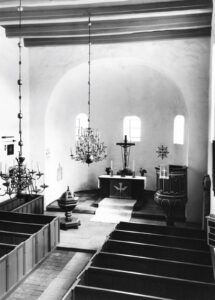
[
  {"x": 154, "y": 251},
  {"x": 152, "y": 285},
  {"x": 20, "y": 227},
  {"x": 26, "y": 204},
  {"x": 52, "y": 221},
  {"x": 38, "y": 243},
  {"x": 160, "y": 239},
  {"x": 154, "y": 266},
  {"x": 25, "y": 240},
  {"x": 31, "y": 206},
  {"x": 27, "y": 218},
  {"x": 13, "y": 238},
  {"x": 94, "y": 293},
  {"x": 10, "y": 204},
  {"x": 5, "y": 250},
  {"x": 185, "y": 232}
]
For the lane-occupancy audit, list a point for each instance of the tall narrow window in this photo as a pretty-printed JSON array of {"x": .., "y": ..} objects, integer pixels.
[
  {"x": 178, "y": 135},
  {"x": 80, "y": 122},
  {"x": 132, "y": 128}
]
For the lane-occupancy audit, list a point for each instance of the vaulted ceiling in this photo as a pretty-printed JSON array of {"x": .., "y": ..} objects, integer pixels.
[{"x": 61, "y": 22}]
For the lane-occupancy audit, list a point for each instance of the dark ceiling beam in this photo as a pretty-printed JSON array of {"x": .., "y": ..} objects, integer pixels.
[
  {"x": 120, "y": 38},
  {"x": 111, "y": 26},
  {"x": 55, "y": 22},
  {"x": 61, "y": 12}
]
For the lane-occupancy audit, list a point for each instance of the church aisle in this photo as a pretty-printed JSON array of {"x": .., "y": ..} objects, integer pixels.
[
  {"x": 89, "y": 236},
  {"x": 36, "y": 283}
]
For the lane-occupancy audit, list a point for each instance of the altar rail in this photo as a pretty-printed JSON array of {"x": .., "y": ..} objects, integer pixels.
[
  {"x": 25, "y": 204},
  {"x": 25, "y": 240}
]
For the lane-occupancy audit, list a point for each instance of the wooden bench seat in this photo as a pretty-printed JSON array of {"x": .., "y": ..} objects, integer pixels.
[
  {"x": 12, "y": 237},
  {"x": 155, "y": 251},
  {"x": 20, "y": 227},
  {"x": 176, "y": 231},
  {"x": 94, "y": 293},
  {"x": 160, "y": 239},
  {"x": 154, "y": 266},
  {"x": 146, "y": 284},
  {"x": 5, "y": 249},
  {"x": 26, "y": 218}
]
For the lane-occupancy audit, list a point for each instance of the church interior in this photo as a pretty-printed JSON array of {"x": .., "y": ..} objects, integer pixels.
[{"x": 107, "y": 149}]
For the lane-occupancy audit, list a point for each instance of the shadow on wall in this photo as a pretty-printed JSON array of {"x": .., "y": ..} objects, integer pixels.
[{"x": 119, "y": 87}]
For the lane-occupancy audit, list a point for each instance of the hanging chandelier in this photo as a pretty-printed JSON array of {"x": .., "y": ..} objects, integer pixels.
[
  {"x": 19, "y": 179},
  {"x": 89, "y": 148}
]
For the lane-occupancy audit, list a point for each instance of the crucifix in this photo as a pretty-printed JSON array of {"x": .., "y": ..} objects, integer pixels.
[{"x": 125, "y": 145}]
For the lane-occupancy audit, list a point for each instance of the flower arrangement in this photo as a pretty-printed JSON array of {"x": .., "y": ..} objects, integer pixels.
[{"x": 142, "y": 171}]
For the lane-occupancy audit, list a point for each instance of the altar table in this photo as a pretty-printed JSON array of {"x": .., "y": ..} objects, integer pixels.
[{"x": 127, "y": 187}]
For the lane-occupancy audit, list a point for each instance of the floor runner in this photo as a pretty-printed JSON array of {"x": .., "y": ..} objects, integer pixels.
[{"x": 114, "y": 210}]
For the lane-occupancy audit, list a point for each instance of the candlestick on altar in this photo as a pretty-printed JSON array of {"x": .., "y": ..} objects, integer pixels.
[{"x": 133, "y": 166}]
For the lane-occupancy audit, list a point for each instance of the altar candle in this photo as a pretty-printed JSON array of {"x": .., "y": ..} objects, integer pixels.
[
  {"x": 133, "y": 165},
  {"x": 111, "y": 165}
]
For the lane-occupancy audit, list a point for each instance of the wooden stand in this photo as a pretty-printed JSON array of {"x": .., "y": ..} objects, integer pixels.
[{"x": 67, "y": 203}]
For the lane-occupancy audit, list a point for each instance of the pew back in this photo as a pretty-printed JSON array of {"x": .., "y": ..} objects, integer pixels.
[
  {"x": 154, "y": 266},
  {"x": 160, "y": 239},
  {"x": 139, "y": 249},
  {"x": 150, "y": 228},
  {"x": 145, "y": 284},
  {"x": 24, "y": 204}
]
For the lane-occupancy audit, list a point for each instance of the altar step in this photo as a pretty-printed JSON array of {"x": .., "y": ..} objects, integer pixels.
[{"x": 144, "y": 261}]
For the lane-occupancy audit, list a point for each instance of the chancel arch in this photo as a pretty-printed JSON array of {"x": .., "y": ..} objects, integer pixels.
[{"x": 154, "y": 102}]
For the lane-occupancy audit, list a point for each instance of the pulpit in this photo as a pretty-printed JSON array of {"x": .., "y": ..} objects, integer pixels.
[{"x": 171, "y": 192}]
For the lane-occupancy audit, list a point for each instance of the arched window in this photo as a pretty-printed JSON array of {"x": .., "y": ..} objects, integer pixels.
[
  {"x": 81, "y": 121},
  {"x": 178, "y": 134},
  {"x": 132, "y": 128}
]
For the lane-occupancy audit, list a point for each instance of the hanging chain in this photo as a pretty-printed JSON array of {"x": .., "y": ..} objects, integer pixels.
[
  {"x": 89, "y": 63},
  {"x": 20, "y": 116}
]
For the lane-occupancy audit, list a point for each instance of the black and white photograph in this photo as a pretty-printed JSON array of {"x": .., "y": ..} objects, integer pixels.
[{"x": 107, "y": 150}]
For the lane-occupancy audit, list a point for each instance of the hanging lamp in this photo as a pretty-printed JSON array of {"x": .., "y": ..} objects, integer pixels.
[
  {"x": 89, "y": 148},
  {"x": 19, "y": 179}
]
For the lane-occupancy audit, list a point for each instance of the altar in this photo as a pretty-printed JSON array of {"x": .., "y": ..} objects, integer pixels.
[{"x": 116, "y": 186}]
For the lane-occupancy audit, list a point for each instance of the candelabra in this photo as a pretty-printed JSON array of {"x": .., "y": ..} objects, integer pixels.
[
  {"x": 19, "y": 179},
  {"x": 88, "y": 147}
]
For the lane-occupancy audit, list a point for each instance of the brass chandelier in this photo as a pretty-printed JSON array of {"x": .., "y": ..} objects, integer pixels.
[
  {"x": 89, "y": 148},
  {"x": 19, "y": 179}
]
